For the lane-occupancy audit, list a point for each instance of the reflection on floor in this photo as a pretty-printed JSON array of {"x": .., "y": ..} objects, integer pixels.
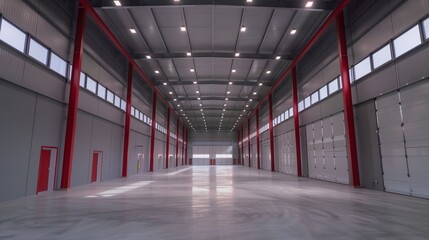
[{"x": 215, "y": 202}]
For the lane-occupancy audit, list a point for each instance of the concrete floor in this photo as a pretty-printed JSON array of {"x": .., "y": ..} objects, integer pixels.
[{"x": 218, "y": 202}]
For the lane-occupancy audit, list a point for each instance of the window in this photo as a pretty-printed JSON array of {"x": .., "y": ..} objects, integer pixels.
[
  {"x": 323, "y": 92},
  {"x": 123, "y": 105},
  {"x": 38, "y": 52},
  {"x": 314, "y": 97},
  {"x": 301, "y": 106},
  {"x": 12, "y": 35},
  {"x": 91, "y": 85},
  {"x": 110, "y": 97},
  {"x": 307, "y": 102},
  {"x": 144, "y": 119},
  {"x": 133, "y": 111},
  {"x": 382, "y": 56},
  {"x": 223, "y": 155},
  {"x": 286, "y": 114},
  {"x": 426, "y": 28},
  {"x": 82, "y": 79},
  {"x": 333, "y": 86},
  {"x": 291, "y": 112},
  {"x": 200, "y": 155},
  {"x": 117, "y": 101},
  {"x": 141, "y": 116},
  {"x": 282, "y": 117},
  {"x": 363, "y": 68},
  {"x": 58, "y": 64},
  {"x": 101, "y": 91},
  {"x": 407, "y": 41}
]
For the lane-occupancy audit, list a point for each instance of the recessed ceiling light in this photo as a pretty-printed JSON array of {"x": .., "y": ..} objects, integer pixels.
[
  {"x": 247, "y": 105},
  {"x": 156, "y": 71},
  {"x": 132, "y": 30},
  {"x": 249, "y": 1},
  {"x": 188, "y": 53},
  {"x": 201, "y": 109},
  {"x": 244, "y": 110},
  {"x": 198, "y": 98},
  {"x": 224, "y": 105},
  {"x": 293, "y": 31},
  {"x": 197, "y": 91},
  {"x": 170, "y": 93},
  {"x": 183, "y": 28},
  {"x": 237, "y": 54},
  {"x": 177, "y": 0},
  {"x": 250, "y": 100},
  {"x": 164, "y": 84},
  {"x": 181, "y": 110},
  {"x": 226, "y": 99},
  {"x": 148, "y": 57},
  {"x": 178, "y": 105},
  {"x": 260, "y": 84},
  {"x": 233, "y": 70},
  {"x": 224, "y": 110},
  {"x": 192, "y": 70},
  {"x": 239, "y": 118},
  {"x": 117, "y": 3},
  {"x": 243, "y": 29},
  {"x": 175, "y": 99},
  {"x": 268, "y": 72},
  {"x": 309, "y": 4},
  {"x": 254, "y": 93},
  {"x": 278, "y": 58},
  {"x": 230, "y": 83},
  {"x": 201, "y": 105},
  {"x": 228, "y": 92}
]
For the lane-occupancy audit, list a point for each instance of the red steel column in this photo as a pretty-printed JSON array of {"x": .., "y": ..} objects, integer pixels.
[
  {"x": 296, "y": 123},
  {"x": 152, "y": 133},
  {"x": 186, "y": 149},
  {"x": 183, "y": 144},
  {"x": 167, "y": 156},
  {"x": 270, "y": 102},
  {"x": 242, "y": 145},
  {"x": 73, "y": 100},
  {"x": 248, "y": 139},
  {"x": 127, "y": 121},
  {"x": 348, "y": 104},
  {"x": 239, "y": 149},
  {"x": 177, "y": 141},
  {"x": 257, "y": 138}
]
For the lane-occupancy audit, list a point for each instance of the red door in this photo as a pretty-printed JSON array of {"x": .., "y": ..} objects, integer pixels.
[
  {"x": 94, "y": 166},
  {"x": 45, "y": 160}
]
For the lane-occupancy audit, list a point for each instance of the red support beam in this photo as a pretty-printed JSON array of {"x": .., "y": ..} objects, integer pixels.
[
  {"x": 177, "y": 141},
  {"x": 186, "y": 149},
  {"x": 73, "y": 100},
  {"x": 242, "y": 145},
  {"x": 167, "y": 139},
  {"x": 248, "y": 140},
  {"x": 152, "y": 133},
  {"x": 348, "y": 104},
  {"x": 257, "y": 139},
  {"x": 127, "y": 121},
  {"x": 183, "y": 145},
  {"x": 239, "y": 148},
  {"x": 326, "y": 24},
  {"x": 296, "y": 123},
  {"x": 270, "y": 102}
]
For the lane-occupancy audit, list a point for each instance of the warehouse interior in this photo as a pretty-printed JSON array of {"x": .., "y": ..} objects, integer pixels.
[{"x": 214, "y": 119}]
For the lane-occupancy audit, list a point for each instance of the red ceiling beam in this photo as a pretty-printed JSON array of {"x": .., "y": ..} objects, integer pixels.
[
  {"x": 91, "y": 12},
  {"x": 331, "y": 18}
]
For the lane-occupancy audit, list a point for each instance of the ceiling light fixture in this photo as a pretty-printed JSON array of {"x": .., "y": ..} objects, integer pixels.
[
  {"x": 226, "y": 99},
  {"x": 178, "y": 105},
  {"x": 148, "y": 57},
  {"x": 278, "y": 58},
  {"x": 195, "y": 82},
  {"x": 175, "y": 99},
  {"x": 165, "y": 84},
  {"x": 254, "y": 93},
  {"x": 260, "y": 84},
  {"x": 228, "y": 92},
  {"x": 293, "y": 31},
  {"x": 250, "y": 100},
  {"x": 117, "y": 3},
  {"x": 309, "y": 4},
  {"x": 156, "y": 71},
  {"x": 183, "y": 28},
  {"x": 268, "y": 72},
  {"x": 188, "y": 54},
  {"x": 170, "y": 93},
  {"x": 132, "y": 30},
  {"x": 237, "y": 54},
  {"x": 197, "y": 91},
  {"x": 199, "y": 98},
  {"x": 192, "y": 70},
  {"x": 247, "y": 105},
  {"x": 243, "y": 28},
  {"x": 233, "y": 70},
  {"x": 230, "y": 83}
]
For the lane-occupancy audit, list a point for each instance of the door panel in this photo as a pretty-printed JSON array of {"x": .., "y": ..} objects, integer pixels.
[
  {"x": 43, "y": 180},
  {"x": 94, "y": 167}
]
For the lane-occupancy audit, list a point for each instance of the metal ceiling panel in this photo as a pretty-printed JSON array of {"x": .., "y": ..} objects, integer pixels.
[
  {"x": 168, "y": 69},
  {"x": 257, "y": 70},
  {"x": 147, "y": 26},
  {"x": 204, "y": 68},
  {"x": 221, "y": 68},
  {"x": 242, "y": 68},
  {"x": 199, "y": 21},
  {"x": 226, "y": 28},
  {"x": 256, "y": 21},
  {"x": 183, "y": 67}
]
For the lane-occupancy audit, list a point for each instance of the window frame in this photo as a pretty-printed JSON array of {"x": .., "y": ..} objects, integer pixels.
[
  {"x": 395, "y": 52},
  {"x": 26, "y": 35},
  {"x": 36, "y": 41}
]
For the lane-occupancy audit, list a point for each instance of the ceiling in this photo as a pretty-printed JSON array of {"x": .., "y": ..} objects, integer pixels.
[{"x": 197, "y": 69}]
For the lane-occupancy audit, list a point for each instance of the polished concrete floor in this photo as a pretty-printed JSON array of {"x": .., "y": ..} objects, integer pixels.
[{"x": 217, "y": 202}]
